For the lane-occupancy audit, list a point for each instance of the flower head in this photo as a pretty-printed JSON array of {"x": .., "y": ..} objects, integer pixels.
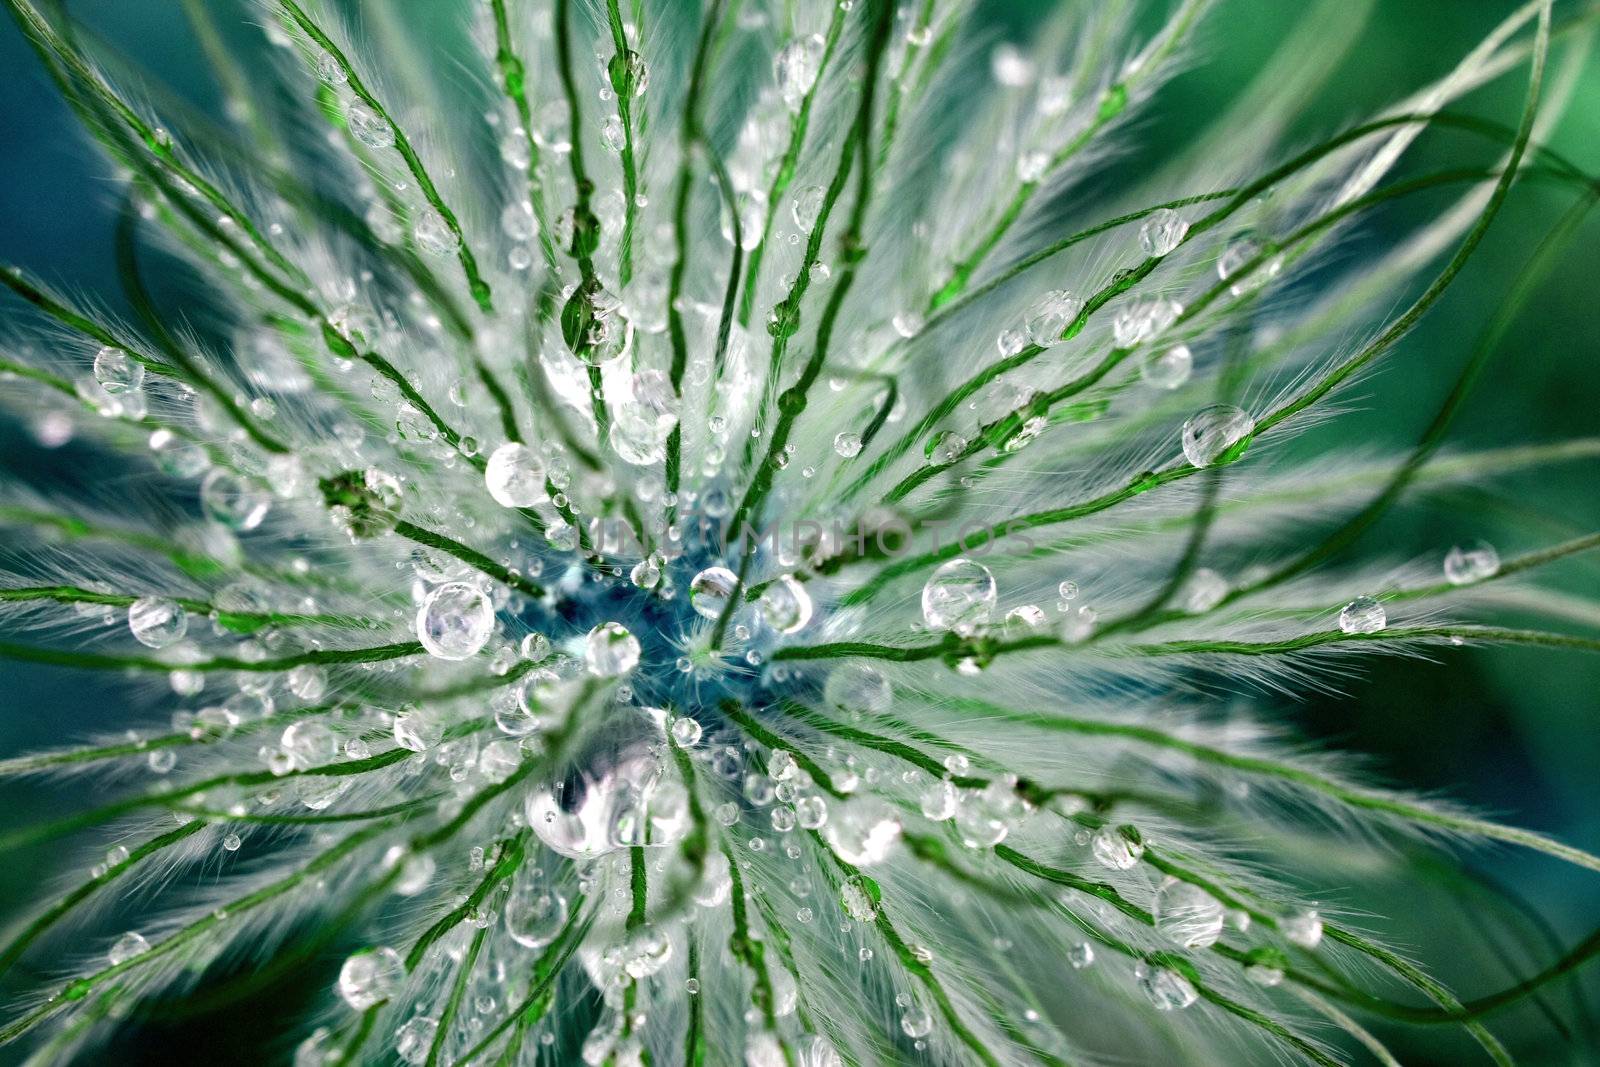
[{"x": 726, "y": 543}]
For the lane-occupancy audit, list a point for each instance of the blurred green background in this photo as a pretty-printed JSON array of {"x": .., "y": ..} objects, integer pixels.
[{"x": 1513, "y": 732}]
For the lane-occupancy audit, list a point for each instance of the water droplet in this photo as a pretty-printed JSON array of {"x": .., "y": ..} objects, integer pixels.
[
  {"x": 414, "y": 1040},
  {"x": 370, "y": 977},
  {"x": 1116, "y": 848},
  {"x": 1219, "y": 433},
  {"x": 500, "y": 759},
  {"x": 983, "y": 818},
  {"x": 1187, "y": 914},
  {"x": 368, "y": 127},
  {"x": 1163, "y": 230},
  {"x": 455, "y": 621},
  {"x": 1167, "y": 368},
  {"x": 808, "y": 206},
  {"x": 959, "y": 596},
  {"x": 232, "y": 843},
  {"x": 686, "y": 731},
  {"x": 863, "y": 833},
  {"x": 646, "y": 574},
  {"x": 417, "y": 730},
  {"x": 1011, "y": 68},
  {"x": 535, "y": 647},
  {"x": 117, "y": 372},
  {"x": 1304, "y": 928},
  {"x": 1141, "y": 320},
  {"x": 908, "y": 324},
  {"x": 1363, "y": 615},
  {"x": 858, "y": 688},
  {"x": 1080, "y": 955},
  {"x": 1204, "y": 590},
  {"x": 126, "y": 947},
  {"x": 796, "y": 67},
  {"x": 710, "y": 589},
  {"x": 945, "y": 448},
  {"x": 434, "y": 234},
  {"x": 610, "y": 650},
  {"x": 847, "y": 443},
  {"x": 1167, "y": 989},
  {"x": 515, "y": 476},
  {"x": 1236, "y": 256},
  {"x": 308, "y": 743},
  {"x": 940, "y": 801},
  {"x": 157, "y": 621},
  {"x": 1024, "y": 618},
  {"x": 1473, "y": 563},
  {"x": 331, "y": 70},
  {"x": 517, "y": 221},
  {"x": 231, "y": 501},
  {"x": 785, "y": 605},
  {"x": 1050, "y": 316},
  {"x": 534, "y": 915},
  {"x": 916, "y": 1022},
  {"x": 811, "y": 812}
]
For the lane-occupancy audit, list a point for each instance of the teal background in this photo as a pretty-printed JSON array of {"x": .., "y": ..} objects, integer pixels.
[{"x": 1514, "y": 732}]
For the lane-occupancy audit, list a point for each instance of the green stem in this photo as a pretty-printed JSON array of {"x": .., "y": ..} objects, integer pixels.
[
  {"x": 784, "y": 175},
  {"x": 311, "y": 657},
  {"x": 244, "y": 622},
  {"x": 622, "y": 72},
  {"x": 514, "y": 79},
  {"x": 689, "y": 134},
  {"x": 469, "y": 266},
  {"x": 792, "y": 403},
  {"x": 1112, "y": 104},
  {"x": 80, "y": 988}
]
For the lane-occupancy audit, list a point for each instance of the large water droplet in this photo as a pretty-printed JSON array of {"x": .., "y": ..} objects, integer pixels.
[
  {"x": 1220, "y": 432},
  {"x": 1363, "y": 615},
  {"x": 610, "y": 650},
  {"x": 434, "y": 234},
  {"x": 785, "y": 605},
  {"x": 863, "y": 833},
  {"x": 126, "y": 947},
  {"x": 414, "y": 1040},
  {"x": 370, "y": 128},
  {"x": 1163, "y": 230},
  {"x": 1167, "y": 989},
  {"x": 157, "y": 621},
  {"x": 371, "y": 977},
  {"x": 1142, "y": 320},
  {"x": 796, "y": 67},
  {"x": 515, "y": 476},
  {"x": 1050, "y": 316},
  {"x": 859, "y": 689},
  {"x": 117, "y": 372},
  {"x": 1472, "y": 563},
  {"x": 1187, "y": 914},
  {"x": 455, "y": 621},
  {"x": 230, "y": 500},
  {"x": 945, "y": 448},
  {"x": 1167, "y": 368},
  {"x": 959, "y": 596},
  {"x": 916, "y": 1022},
  {"x": 710, "y": 589},
  {"x": 534, "y": 914}
]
